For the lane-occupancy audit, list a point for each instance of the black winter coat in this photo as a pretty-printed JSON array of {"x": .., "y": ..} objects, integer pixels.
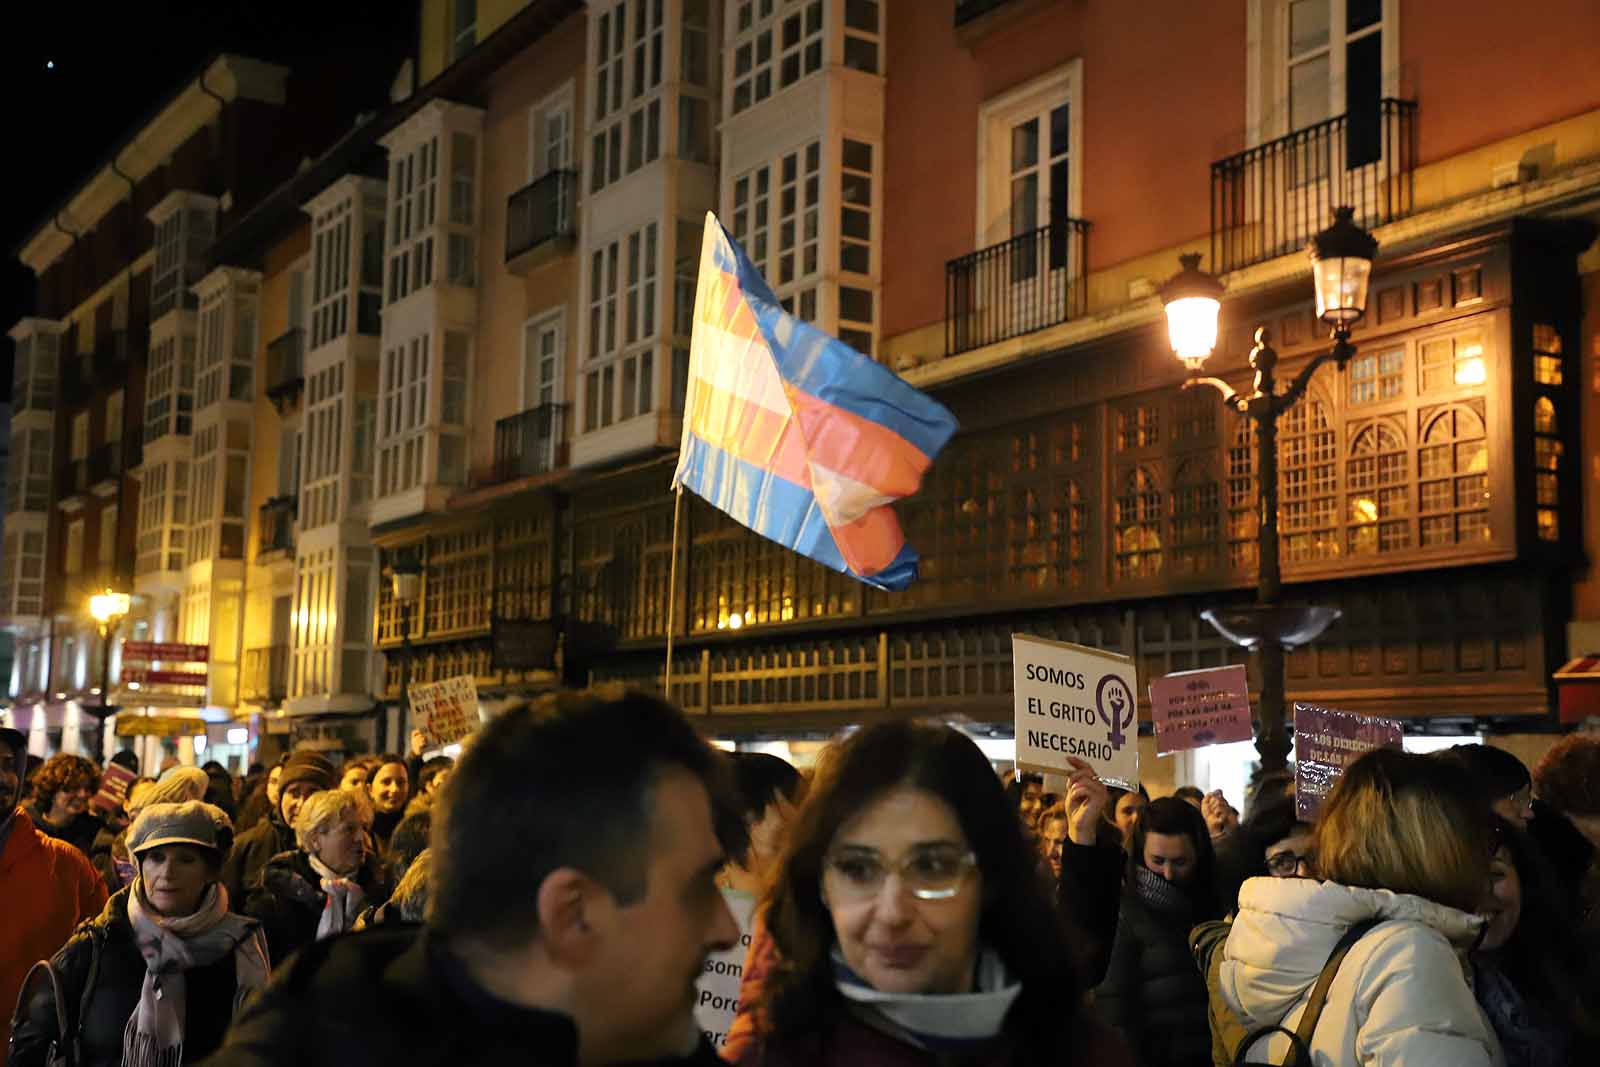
[
  {"x": 1089, "y": 896},
  {"x": 79, "y": 833},
  {"x": 1153, "y": 990},
  {"x": 391, "y": 997},
  {"x": 102, "y": 974},
  {"x": 288, "y": 899},
  {"x": 251, "y": 851}
]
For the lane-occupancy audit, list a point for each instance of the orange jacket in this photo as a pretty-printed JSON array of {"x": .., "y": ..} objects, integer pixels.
[{"x": 48, "y": 888}]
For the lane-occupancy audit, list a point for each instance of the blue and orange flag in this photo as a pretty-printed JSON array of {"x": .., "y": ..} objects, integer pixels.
[{"x": 795, "y": 434}]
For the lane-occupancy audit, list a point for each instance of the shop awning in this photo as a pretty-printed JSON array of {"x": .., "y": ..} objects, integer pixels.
[{"x": 1578, "y": 683}]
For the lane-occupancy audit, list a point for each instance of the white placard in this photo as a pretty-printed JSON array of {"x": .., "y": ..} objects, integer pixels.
[
  {"x": 449, "y": 709},
  {"x": 717, "y": 991},
  {"x": 1075, "y": 701}
]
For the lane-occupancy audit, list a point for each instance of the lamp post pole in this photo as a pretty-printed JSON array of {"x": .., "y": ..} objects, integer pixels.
[
  {"x": 108, "y": 610},
  {"x": 1341, "y": 259}
]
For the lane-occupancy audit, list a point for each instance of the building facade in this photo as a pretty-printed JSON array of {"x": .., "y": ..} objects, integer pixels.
[{"x": 458, "y": 342}]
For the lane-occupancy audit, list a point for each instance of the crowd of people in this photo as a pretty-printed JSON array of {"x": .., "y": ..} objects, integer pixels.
[{"x": 555, "y": 897}]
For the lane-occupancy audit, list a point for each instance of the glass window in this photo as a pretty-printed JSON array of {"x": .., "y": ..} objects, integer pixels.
[{"x": 1136, "y": 526}]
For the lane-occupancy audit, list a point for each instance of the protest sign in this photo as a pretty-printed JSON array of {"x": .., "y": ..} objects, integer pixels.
[
  {"x": 1327, "y": 741},
  {"x": 113, "y": 788},
  {"x": 448, "y": 709},
  {"x": 1075, "y": 701},
  {"x": 717, "y": 992},
  {"x": 1193, "y": 709}
]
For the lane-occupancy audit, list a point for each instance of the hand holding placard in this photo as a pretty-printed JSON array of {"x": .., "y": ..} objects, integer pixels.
[{"x": 1087, "y": 800}]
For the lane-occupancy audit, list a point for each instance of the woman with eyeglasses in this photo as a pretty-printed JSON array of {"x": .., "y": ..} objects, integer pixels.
[
  {"x": 911, "y": 924},
  {"x": 1152, "y": 990}
]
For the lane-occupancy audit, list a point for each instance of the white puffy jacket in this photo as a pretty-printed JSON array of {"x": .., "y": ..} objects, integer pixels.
[{"x": 1401, "y": 999}]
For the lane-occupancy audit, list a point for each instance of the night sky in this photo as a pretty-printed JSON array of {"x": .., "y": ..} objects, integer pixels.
[{"x": 79, "y": 77}]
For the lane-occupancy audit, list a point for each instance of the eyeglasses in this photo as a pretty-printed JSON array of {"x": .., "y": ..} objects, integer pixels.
[
  {"x": 930, "y": 872},
  {"x": 1287, "y": 864}
]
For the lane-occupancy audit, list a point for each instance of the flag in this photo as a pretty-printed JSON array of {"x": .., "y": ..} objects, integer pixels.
[{"x": 795, "y": 434}]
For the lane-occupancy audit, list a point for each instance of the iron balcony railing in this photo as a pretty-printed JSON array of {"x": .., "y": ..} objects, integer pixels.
[
  {"x": 264, "y": 675},
  {"x": 528, "y": 443},
  {"x": 286, "y": 363},
  {"x": 541, "y": 211},
  {"x": 1036, "y": 279},
  {"x": 275, "y": 525},
  {"x": 1272, "y": 199},
  {"x": 967, "y": 10}
]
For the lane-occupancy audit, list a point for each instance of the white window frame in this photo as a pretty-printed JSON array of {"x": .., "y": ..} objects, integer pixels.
[
  {"x": 629, "y": 129},
  {"x": 106, "y": 548},
  {"x": 996, "y": 117},
  {"x": 533, "y": 330},
  {"x": 1267, "y": 67},
  {"x": 72, "y": 548},
  {"x": 562, "y": 102},
  {"x": 79, "y": 447}
]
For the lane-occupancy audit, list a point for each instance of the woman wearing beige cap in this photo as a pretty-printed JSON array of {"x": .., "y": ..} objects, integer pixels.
[
  {"x": 177, "y": 785},
  {"x": 158, "y": 977}
]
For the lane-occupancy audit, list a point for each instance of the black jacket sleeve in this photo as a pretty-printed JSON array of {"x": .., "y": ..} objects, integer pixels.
[
  {"x": 1118, "y": 996},
  {"x": 34, "y": 1027},
  {"x": 1090, "y": 897}
]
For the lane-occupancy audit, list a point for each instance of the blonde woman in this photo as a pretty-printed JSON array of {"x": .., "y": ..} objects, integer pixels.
[
  {"x": 1403, "y": 844},
  {"x": 319, "y": 889}
]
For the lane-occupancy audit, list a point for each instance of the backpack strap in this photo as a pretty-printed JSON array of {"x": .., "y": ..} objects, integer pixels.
[
  {"x": 1300, "y": 1037},
  {"x": 97, "y": 938},
  {"x": 1319, "y": 994},
  {"x": 55, "y": 1053}
]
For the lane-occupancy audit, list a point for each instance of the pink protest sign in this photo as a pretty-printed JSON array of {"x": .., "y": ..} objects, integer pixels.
[
  {"x": 1193, "y": 709},
  {"x": 1325, "y": 743},
  {"x": 113, "y": 788}
]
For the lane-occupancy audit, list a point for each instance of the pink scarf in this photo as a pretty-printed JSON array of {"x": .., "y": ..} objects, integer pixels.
[{"x": 171, "y": 947}]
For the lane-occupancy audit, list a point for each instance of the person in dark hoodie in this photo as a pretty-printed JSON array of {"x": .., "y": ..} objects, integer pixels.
[
  {"x": 304, "y": 773},
  {"x": 155, "y": 980},
  {"x": 62, "y": 789},
  {"x": 1152, "y": 991}
]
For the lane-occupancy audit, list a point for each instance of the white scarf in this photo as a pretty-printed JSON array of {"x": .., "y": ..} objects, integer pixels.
[
  {"x": 938, "y": 1022},
  {"x": 344, "y": 902},
  {"x": 172, "y": 946}
]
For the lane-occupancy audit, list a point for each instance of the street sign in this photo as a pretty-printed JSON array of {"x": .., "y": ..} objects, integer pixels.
[
  {"x": 166, "y": 652},
  {"x": 158, "y": 698},
  {"x": 149, "y": 677},
  {"x": 1075, "y": 701},
  {"x": 1194, "y": 709},
  {"x": 159, "y": 726},
  {"x": 523, "y": 644}
]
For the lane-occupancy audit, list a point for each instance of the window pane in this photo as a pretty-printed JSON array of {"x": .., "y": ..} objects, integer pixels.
[
  {"x": 1024, "y": 145},
  {"x": 1360, "y": 14},
  {"x": 861, "y": 54},
  {"x": 1308, "y": 25},
  {"x": 861, "y": 15},
  {"x": 1308, "y": 92},
  {"x": 1058, "y": 131}
]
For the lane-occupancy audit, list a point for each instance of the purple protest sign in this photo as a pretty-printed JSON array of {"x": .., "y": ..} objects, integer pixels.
[
  {"x": 1325, "y": 743},
  {"x": 1193, "y": 709}
]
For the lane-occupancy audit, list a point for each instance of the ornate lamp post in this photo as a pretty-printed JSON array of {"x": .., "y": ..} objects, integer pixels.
[
  {"x": 1341, "y": 265},
  {"x": 108, "y": 609},
  {"x": 406, "y": 573}
]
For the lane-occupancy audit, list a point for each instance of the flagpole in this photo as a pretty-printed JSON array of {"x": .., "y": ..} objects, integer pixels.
[{"x": 672, "y": 590}]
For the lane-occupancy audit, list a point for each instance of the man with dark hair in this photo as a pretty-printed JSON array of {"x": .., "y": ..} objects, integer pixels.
[{"x": 573, "y": 904}]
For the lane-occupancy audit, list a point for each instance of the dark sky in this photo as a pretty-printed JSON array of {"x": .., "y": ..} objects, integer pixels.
[{"x": 78, "y": 77}]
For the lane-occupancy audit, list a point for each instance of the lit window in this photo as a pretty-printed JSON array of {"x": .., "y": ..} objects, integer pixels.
[
  {"x": 1377, "y": 376},
  {"x": 1308, "y": 482},
  {"x": 1136, "y": 535},
  {"x": 1454, "y": 486},
  {"x": 1452, "y": 362},
  {"x": 1195, "y": 518},
  {"x": 1378, "y": 499}
]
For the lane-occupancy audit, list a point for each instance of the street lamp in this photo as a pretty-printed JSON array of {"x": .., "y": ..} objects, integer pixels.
[
  {"x": 108, "y": 609},
  {"x": 1341, "y": 263},
  {"x": 406, "y": 573}
]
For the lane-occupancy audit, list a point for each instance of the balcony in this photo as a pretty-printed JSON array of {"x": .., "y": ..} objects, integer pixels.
[
  {"x": 968, "y": 10},
  {"x": 529, "y": 443},
  {"x": 540, "y": 217},
  {"x": 286, "y": 367},
  {"x": 1271, "y": 200},
  {"x": 275, "y": 528},
  {"x": 264, "y": 674},
  {"x": 1028, "y": 283}
]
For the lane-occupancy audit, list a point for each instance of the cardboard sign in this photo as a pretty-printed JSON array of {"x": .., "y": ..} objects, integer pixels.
[
  {"x": 717, "y": 991},
  {"x": 113, "y": 788},
  {"x": 1325, "y": 743},
  {"x": 1193, "y": 709},
  {"x": 448, "y": 709},
  {"x": 1075, "y": 701}
]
